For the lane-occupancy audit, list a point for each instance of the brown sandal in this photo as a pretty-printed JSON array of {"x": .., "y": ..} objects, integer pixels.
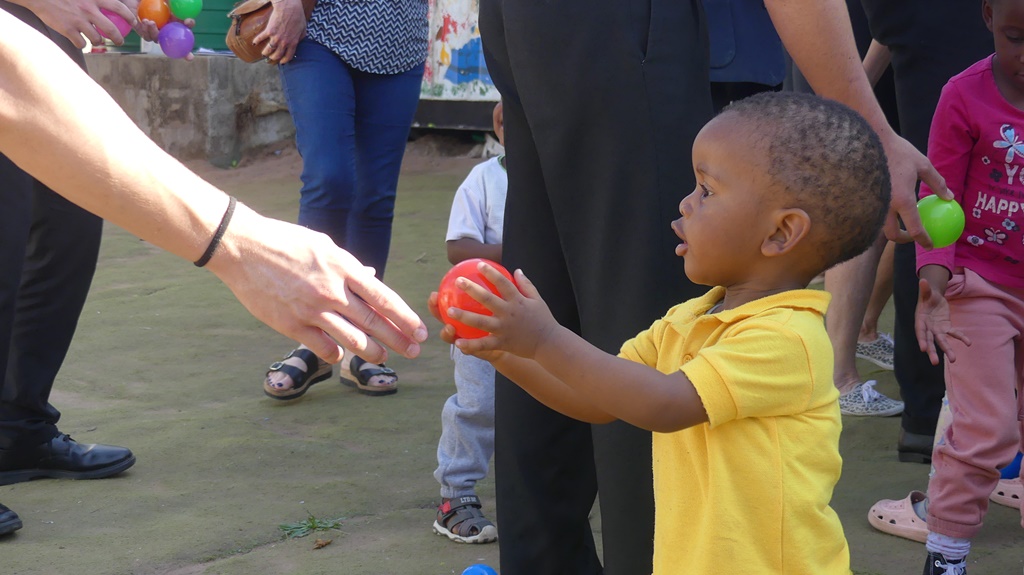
[{"x": 302, "y": 379}]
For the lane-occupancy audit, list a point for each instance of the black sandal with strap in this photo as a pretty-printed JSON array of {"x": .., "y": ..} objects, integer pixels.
[
  {"x": 362, "y": 378},
  {"x": 302, "y": 379},
  {"x": 461, "y": 520}
]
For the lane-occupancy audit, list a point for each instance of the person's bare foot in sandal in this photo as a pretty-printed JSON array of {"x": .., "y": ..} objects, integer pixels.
[
  {"x": 295, "y": 374},
  {"x": 368, "y": 378}
]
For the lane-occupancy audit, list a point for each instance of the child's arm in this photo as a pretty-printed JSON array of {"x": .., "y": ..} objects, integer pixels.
[
  {"x": 931, "y": 318},
  {"x": 545, "y": 389},
  {"x": 463, "y": 249},
  {"x": 548, "y": 389},
  {"x": 523, "y": 326}
]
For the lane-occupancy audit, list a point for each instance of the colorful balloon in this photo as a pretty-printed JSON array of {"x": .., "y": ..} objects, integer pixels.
[
  {"x": 942, "y": 219},
  {"x": 186, "y": 9},
  {"x": 155, "y": 10},
  {"x": 120, "y": 23},
  {"x": 176, "y": 40},
  {"x": 479, "y": 569},
  {"x": 449, "y": 296}
]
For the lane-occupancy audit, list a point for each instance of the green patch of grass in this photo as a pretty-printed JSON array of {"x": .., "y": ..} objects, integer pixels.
[{"x": 309, "y": 525}]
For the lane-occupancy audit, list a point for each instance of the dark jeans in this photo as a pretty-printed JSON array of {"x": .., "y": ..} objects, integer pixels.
[
  {"x": 930, "y": 43},
  {"x": 351, "y": 128},
  {"x": 602, "y": 101}
]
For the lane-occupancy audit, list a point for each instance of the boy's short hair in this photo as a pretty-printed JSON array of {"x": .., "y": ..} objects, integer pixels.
[{"x": 828, "y": 160}]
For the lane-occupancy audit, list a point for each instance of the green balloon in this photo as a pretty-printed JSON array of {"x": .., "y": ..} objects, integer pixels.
[
  {"x": 942, "y": 219},
  {"x": 185, "y": 9}
]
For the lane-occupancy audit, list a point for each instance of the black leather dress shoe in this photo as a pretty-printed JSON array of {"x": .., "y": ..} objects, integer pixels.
[
  {"x": 63, "y": 458},
  {"x": 914, "y": 447},
  {"x": 9, "y": 520}
]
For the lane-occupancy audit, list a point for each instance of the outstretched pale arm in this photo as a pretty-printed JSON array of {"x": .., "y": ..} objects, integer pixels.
[
  {"x": 61, "y": 127},
  {"x": 564, "y": 371}
]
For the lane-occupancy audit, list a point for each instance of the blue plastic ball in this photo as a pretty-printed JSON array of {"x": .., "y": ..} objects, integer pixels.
[{"x": 479, "y": 569}]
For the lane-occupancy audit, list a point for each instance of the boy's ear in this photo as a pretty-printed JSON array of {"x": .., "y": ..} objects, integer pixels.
[{"x": 791, "y": 226}]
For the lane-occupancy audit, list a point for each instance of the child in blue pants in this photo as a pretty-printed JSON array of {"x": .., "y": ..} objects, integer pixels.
[{"x": 467, "y": 420}]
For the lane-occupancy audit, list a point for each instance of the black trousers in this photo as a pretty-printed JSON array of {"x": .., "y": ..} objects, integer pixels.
[
  {"x": 48, "y": 250},
  {"x": 930, "y": 43},
  {"x": 602, "y": 101}
]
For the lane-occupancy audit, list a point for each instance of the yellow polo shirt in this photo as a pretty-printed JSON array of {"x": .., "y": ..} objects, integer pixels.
[{"x": 749, "y": 491}]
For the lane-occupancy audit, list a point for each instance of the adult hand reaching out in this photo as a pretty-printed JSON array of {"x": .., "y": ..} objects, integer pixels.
[
  {"x": 294, "y": 279},
  {"x": 300, "y": 283}
]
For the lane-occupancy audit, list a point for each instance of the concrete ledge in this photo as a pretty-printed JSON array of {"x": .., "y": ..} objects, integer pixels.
[{"x": 215, "y": 107}]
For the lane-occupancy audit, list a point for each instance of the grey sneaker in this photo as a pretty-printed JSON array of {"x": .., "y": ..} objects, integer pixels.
[
  {"x": 878, "y": 352},
  {"x": 864, "y": 400}
]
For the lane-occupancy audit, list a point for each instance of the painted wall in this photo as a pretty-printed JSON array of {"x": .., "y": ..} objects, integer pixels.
[{"x": 455, "y": 68}]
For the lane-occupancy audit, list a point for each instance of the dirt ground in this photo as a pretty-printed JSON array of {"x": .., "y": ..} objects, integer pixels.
[{"x": 168, "y": 363}]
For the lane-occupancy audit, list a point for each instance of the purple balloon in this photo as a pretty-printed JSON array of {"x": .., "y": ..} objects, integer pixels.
[{"x": 176, "y": 40}]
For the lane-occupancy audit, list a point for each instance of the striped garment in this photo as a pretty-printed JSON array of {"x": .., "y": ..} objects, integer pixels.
[{"x": 376, "y": 36}]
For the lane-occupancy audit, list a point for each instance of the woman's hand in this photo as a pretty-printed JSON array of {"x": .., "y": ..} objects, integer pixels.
[
  {"x": 76, "y": 18},
  {"x": 284, "y": 31},
  {"x": 906, "y": 166},
  {"x": 300, "y": 283}
]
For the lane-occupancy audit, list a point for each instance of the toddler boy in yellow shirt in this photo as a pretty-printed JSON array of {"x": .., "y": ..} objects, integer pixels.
[{"x": 737, "y": 384}]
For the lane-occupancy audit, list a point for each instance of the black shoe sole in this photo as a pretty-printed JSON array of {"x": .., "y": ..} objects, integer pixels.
[
  {"x": 21, "y": 475},
  {"x": 10, "y": 526}
]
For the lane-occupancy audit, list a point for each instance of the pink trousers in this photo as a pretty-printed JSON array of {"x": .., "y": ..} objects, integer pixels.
[{"x": 984, "y": 386}]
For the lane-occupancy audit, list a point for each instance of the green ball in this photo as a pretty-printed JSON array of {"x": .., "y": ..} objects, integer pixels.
[
  {"x": 185, "y": 9},
  {"x": 942, "y": 219}
]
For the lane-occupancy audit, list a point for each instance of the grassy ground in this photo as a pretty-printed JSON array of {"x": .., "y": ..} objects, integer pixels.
[{"x": 169, "y": 364}]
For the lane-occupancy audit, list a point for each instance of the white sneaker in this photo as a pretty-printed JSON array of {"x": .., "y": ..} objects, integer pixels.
[
  {"x": 879, "y": 351},
  {"x": 864, "y": 400}
]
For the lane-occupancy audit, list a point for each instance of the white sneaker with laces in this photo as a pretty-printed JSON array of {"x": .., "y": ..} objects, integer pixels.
[
  {"x": 863, "y": 400},
  {"x": 879, "y": 352}
]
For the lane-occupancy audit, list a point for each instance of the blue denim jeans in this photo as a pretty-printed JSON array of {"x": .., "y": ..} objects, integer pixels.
[
  {"x": 467, "y": 428},
  {"x": 350, "y": 128}
]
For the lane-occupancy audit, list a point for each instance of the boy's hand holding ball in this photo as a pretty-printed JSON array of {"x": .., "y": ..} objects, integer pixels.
[
  {"x": 450, "y": 296},
  {"x": 489, "y": 312}
]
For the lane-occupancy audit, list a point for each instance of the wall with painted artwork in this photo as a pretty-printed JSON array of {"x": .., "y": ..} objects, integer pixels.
[
  {"x": 455, "y": 62},
  {"x": 457, "y": 91}
]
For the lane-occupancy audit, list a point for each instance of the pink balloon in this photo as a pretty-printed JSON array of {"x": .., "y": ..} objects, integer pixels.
[
  {"x": 120, "y": 23},
  {"x": 176, "y": 40}
]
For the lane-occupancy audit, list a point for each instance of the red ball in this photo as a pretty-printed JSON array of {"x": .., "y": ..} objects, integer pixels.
[{"x": 449, "y": 296}]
